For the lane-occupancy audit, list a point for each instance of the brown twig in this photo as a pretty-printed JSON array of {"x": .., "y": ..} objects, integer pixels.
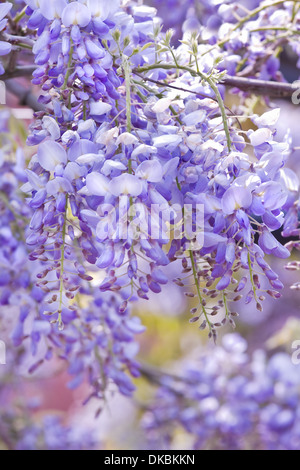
[{"x": 262, "y": 87}]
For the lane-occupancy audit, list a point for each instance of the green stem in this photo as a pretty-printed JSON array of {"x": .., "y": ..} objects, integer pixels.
[
  {"x": 195, "y": 274},
  {"x": 62, "y": 263},
  {"x": 65, "y": 85},
  {"x": 225, "y": 305},
  {"x": 20, "y": 15},
  {"x": 127, "y": 74},
  {"x": 251, "y": 276},
  {"x": 275, "y": 28}
]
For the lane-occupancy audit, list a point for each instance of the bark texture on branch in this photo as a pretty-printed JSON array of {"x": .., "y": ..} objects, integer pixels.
[{"x": 262, "y": 87}]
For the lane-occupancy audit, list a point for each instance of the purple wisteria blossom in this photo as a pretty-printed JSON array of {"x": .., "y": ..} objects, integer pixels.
[{"x": 141, "y": 160}]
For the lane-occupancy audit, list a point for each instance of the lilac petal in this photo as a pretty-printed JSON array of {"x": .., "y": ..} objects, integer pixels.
[
  {"x": 135, "y": 326},
  {"x": 274, "y": 195},
  {"x": 153, "y": 286},
  {"x": 230, "y": 252},
  {"x": 281, "y": 252},
  {"x": 212, "y": 239},
  {"x": 100, "y": 28},
  {"x": 103, "y": 8},
  {"x": 194, "y": 118},
  {"x": 99, "y": 108},
  {"x": 150, "y": 170},
  {"x": 38, "y": 199},
  {"x": 159, "y": 276},
  {"x": 41, "y": 43},
  {"x": 272, "y": 222},
  {"x": 52, "y": 127},
  {"x": 52, "y": 9},
  {"x": 51, "y": 154},
  {"x": 106, "y": 258},
  {"x": 126, "y": 184},
  {"x": 171, "y": 140},
  {"x": 224, "y": 282},
  {"x": 74, "y": 171},
  {"x": 34, "y": 180},
  {"x": 236, "y": 197},
  {"x": 270, "y": 245},
  {"x": 90, "y": 158},
  {"x": 260, "y": 136},
  {"x": 90, "y": 217},
  {"x": 111, "y": 165},
  {"x": 37, "y": 220},
  {"x": 268, "y": 119},
  {"x": 97, "y": 184},
  {"x": 5, "y": 48},
  {"x": 76, "y": 14},
  {"x": 59, "y": 185},
  {"x": 18, "y": 335},
  {"x": 4, "y": 9},
  {"x": 94, "y": 50}
]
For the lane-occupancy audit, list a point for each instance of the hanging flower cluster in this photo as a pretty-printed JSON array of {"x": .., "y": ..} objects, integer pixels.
[
  {"x": 139, "y": 164},
  {"x": 99, "y": 343}
]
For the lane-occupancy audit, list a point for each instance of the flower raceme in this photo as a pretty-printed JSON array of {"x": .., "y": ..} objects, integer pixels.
[
  {"x": 135, "y": 134},
  {"x": 106, "y": 136}
]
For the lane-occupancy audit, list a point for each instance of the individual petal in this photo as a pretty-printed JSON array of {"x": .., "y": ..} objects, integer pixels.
[
  {"x": 90, "y": 217},
  {"x": 161, "y": 105},
  {"x": 289, "y": 179},
  {"x": 111, "y": 165},
  {"x": 35, "y": 181},
  {"x": 197, "y": 117},
  {"x": 126, "y": 184},
  {"x": 272, "y": 222},
  {"x": 103, "y": 8},
  {"x": 143, "y": 149},
  {"x": 212, "y": 239},
  {"x": 4, "y": 9},
  {"x": 51, "y": 154},
  {"x": 224, "y": 282},
  {"x": 236, "y": 197},
  {"x": 150, "y": 170},
  {"x": 5, "y": 48},
  {"x": 273, "y": 194},
  {"x": 270, "y": 245},
  {"x": 97, "y": 184},
  {"x": 167, "y": 139},
  {"x": 126, "y": 139},
  {"x": 99, "y": 108},
  {"x": 90, "y": 158},
  {"x": 268, "y": 119},
  {"x": 59, "y": 185},
  {"x": 260, "y": 136},
  {"x": 107, "y": 257},
  {"x": 76, "y": 14},
  {"x": 74, "y": 171},
  {"x": 52, "y": 9},
  {"x": 52, "y": 127},
  {"x": 94, "y": 50}
]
